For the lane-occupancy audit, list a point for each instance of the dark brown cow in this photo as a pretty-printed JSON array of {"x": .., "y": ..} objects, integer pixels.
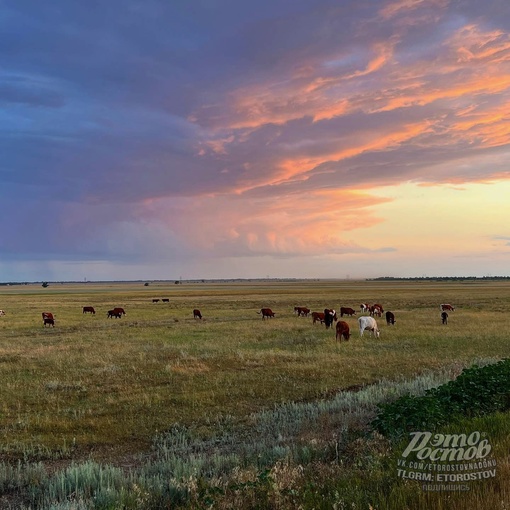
[
  {"x": 329, "y": 317},
  {"x": 376, "y": 309},
  {"x": 447, "y": 306},
  {"x": 266, "y": 312},
  {"x": 119, "y": 310},
  {"x": 47, "y": 315},
  {"x": 302, "y": 311},
  {"x": 113, "y": 313},
  {"x": 390, "y": 318},
  {"x": 317, "y": 316},
  {"x": 48, "y": 321},
  {"x": 346, "y": 311},
  {"x": 342, "y": 330},
  {"x": 444, "y": 317},
  {"x": 197, "y": 314},
  {"x": 89, "y": 309},
  {"x": 155, "y": 300},
  {"x": 165, "y": 300}
]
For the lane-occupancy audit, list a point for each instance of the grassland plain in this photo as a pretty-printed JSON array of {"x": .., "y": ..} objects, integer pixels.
[{"x": 98, "y": 388}]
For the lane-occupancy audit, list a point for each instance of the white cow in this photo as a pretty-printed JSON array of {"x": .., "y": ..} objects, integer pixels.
[{"x": 368, "y": 323}]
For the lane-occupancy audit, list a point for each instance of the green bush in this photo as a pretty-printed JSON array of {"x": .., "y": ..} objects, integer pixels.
[{"x": 475, "y": 392}]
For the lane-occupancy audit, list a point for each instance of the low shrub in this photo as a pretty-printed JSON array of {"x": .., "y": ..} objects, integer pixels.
[{"x": 478, "y": 390}]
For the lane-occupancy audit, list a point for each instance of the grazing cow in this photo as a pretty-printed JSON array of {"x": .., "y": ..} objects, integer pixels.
[
  {"x": 48, "y": 321},
  {"x": 329, "y": 317},
  {"x": 317, "y": 316},
  {"x": 368, "y": 323},
  {"x": 347, "y": 311},
  {"x": 89, "y": 309},
  {"x": 342, "y": 330},
  {"x": 47, "y": 315},
  {"x": 364, "y": 307},
  {"x": 2, "y": 313},
  {"x": 266, "y": 312},
  {"x": 444, "y": 317},
  {"x": 119, "y": 310},
  {"x": 113, "y": 313},
  {"x": 165, "y": 300},
  {"x": 376, "y": 310},
  {"x": 155, "y": 300},
  {"x": 447, "y": 306},
  {"x": 302, "y": 311},
  {"x": 197, "y": 314},
  {"x": 390, "y": 318}
]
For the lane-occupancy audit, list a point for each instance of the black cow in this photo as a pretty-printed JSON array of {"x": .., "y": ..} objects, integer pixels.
[
  {"x": 329, "y": 317},
  {"x": 390, "y": 318}
]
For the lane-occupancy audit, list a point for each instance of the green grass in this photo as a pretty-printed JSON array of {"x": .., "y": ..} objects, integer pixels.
[
  {"x": 97, "y": 383},
  {"x": 107, "y": 390}
]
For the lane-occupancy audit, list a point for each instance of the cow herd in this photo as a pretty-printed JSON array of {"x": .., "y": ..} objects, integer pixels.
[
  {"x": 328, "y": 317},
  {"x": 365, "y": 322}
]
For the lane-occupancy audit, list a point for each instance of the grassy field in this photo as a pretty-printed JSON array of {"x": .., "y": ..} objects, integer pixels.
[{"x": 103, "y": 389}]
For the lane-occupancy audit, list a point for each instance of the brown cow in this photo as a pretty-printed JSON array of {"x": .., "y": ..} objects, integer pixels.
[
  {"x": 197, "y": 314},
  {"x": 48, "y": 321},
  {"x": 447, "y": 306},
  {"x": 113, "y": 313},
  {"x": 266, "y": 312},
  {"x": 119, "y": 310},
  {"x": 376, "y": 309},
  {"x": 302, "y": 311},
  {"x": 364, "y": 307},
  {"x": 89, "y": 309},
  {"x": 165, "y": 300},
  {"x": 342, "y": 330},
  {"x": 346, "y": 311},
  {"x": 155, "y": 300},
  {"x": 47, "y": 315},
  {"x": 444, "y": 317},
  {"x": 317, "y": 316}
]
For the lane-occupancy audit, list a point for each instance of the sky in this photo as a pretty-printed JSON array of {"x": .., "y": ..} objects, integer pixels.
[{"x": 190, "y": 139}]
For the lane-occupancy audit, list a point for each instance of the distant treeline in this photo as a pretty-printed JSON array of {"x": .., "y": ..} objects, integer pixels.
[{"x": 439, "y": 278}]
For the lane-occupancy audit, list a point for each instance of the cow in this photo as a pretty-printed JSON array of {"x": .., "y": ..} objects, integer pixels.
[
  {"x": 370, "y": 324},
  {"x": 364, "y": 307},
  {"x": 390, "y": 318},
  {"x": 165, "y": 300},
  {"x": 347, "y": 311},
  {"x": 302, "y": 311},
  {"x": 2, "y": 313},
  {"x": 119, "y": 310},
  {"x": 329, "y": 317},
  {"x": 197, "y": 314},
  {"x": 89, "y": 309},
  {"x": 47, "y": 315},
  {"x": 266, "y": 312},
  {"x": 49, "y": 321},
  {"x": 155, "y": 300},
  {"x": 317, "y": 316},
  {"x": 376, "y": 309},
  {"x": 447, "y": 306},
  {"x": 342, "y": 330},
  {"x": 444, "y": 317},
  {"x": 113, "y": 313}
]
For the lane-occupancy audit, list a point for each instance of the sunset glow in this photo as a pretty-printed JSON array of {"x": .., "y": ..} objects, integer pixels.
[{"x": 296, "y": 139}]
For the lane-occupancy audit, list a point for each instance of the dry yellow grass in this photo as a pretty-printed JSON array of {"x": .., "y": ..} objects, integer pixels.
[{"x": 106, "y": 386}]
